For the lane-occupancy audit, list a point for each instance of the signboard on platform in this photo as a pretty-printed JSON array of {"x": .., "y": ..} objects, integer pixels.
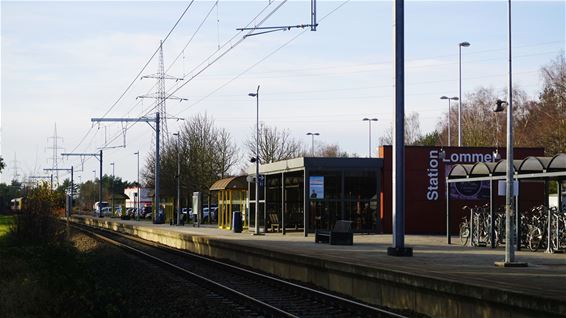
[{"x": 316, "y": 187}]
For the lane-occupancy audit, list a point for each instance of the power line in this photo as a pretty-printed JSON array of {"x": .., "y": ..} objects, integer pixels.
[{"x": 141, "y": 71}]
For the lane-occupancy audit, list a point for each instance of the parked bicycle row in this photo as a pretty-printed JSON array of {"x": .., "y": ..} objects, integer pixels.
[{"x": 535, "y": 228}]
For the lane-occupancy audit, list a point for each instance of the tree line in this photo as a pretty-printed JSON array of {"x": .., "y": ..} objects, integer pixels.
[
  {"x": 208, "y": 153},
  {"x": 537, "y": 122}
]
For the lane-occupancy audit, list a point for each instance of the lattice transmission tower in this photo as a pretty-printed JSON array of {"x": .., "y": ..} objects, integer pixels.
[
  {"x": 55, "y": 147},
  {"x": 161, "y": 95}
]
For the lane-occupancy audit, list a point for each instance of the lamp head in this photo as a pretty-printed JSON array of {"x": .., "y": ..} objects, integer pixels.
[
  {"x": 443, "y": 97},
  {"x": 465, "y": 44},
  {"x": 442, "y": 154},
  {"x": 454, "y": 98},
  {"x": 496, "y": 155},
  {"x": 253, "y": 159},
  {"x": 499, "y": 106},
  {"x": 252, "y": 94}
]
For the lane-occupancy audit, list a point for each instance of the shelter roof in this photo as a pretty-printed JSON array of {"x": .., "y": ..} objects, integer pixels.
[
  {"x": 232, "y": 183},
  {"x": 531, "y": 167}
]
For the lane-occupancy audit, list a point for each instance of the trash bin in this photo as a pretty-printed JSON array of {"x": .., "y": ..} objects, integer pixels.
[{"x": 237, "y": 222}]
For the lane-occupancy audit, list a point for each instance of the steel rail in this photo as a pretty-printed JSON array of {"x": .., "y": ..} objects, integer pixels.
[{"x": 337, "y": 300}]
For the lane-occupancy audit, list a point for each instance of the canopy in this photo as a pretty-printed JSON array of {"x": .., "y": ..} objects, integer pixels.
[{"x": 534, "y": 167}]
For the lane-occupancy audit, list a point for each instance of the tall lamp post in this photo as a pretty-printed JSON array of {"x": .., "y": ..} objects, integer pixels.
[
  {"x": 312, "y": 134},
  {"x": 112, "y": 187},
  {"x": 94, "y": 184},
  {"x": 460, "y": 46},
  {"x": 509, "y": 239},
  {"x": 256, "y": 159},
  {"x": 178, "y": 177},
  {"x": 449, "y": 125},
  {"x": 369, "y": 120},
  {"x": 139, "y": 195}
]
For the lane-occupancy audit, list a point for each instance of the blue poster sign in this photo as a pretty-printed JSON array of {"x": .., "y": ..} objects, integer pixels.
[{"x": 316, "y": 184}]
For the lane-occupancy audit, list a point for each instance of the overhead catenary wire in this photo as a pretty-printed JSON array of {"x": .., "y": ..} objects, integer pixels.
[
  {"x": 206, "y": 66},
  {"x": 139, "y": 73}
]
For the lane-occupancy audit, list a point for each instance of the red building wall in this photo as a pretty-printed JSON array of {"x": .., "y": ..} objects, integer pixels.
[{"x": 425, "y": 198}]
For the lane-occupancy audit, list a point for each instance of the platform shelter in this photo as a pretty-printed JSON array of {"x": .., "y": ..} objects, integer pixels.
[
  {"x": 232, "y": 196},
  {"x": 307, "y": 193},
  {"x": 531, "y": 169}
]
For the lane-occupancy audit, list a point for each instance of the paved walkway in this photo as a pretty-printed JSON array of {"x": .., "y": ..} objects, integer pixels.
[{"x": 545, "y": 276}]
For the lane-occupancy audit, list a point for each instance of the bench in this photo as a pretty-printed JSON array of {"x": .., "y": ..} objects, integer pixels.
[
  {"x": 341, "y": 234},
  {"x": 274, "y": 222}
]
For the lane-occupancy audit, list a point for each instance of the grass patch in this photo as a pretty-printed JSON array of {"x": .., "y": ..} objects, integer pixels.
[
  {"x": 6, "y": 222},
  {"x": 83, "y": 278}
]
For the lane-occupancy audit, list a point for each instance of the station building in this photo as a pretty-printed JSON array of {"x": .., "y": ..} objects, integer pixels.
[
  {"x": 426, "y": 169},
  {"x": 308, "y": 193}
]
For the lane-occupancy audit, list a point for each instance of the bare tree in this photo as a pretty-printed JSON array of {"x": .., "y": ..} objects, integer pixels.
[
  {"x": 331, "y": 150},
  {"x": 274, "y": 144},
  {"x": 412, "y": 131},
  {"x": 207, "y": 154},
  {"x": 544, "y": 122}
]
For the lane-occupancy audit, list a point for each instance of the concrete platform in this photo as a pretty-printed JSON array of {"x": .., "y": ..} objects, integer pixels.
[{"x": 439, "y": 280}]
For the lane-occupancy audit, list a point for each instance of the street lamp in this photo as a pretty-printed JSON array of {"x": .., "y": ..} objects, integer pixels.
[
  {"x": 112, "y": 187},
  {"x": 460, "y": 45},
  {"x": 312, "y": 141},
  {"x": 178, "y": 176},
  {"x": 369, "y": 120},
  {"x": 139, "y": 196},
  {"x": 449, "y": 125},
  {"x": 509, "y": 244},
  {"x": 256, "y": 95}
]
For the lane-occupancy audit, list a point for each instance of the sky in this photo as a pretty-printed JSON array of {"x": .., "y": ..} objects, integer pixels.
[{"x": 63, "y": 63}]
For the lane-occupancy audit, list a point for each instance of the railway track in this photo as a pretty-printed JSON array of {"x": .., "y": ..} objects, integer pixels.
[{"x": 251, "y": 294}]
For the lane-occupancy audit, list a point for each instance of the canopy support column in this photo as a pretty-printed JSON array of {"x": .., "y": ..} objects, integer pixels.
[
  {"x": 283, "y": 202},
  {"x": 492, "y": 215},
  {"x": 447, "y": 190},
  {"x": 518, "y": 217},
  {"x": 306, "y": 202},
  {"x": 560, "y": 203},
  {"x": 548, "y": 216}
]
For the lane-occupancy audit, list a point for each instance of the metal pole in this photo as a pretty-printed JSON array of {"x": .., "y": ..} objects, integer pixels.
[
  {"x": 449, "y": 123},
  {"x": 312, "y": 145},
  {"x": 459, "y": 95},
  {"x": 283, "y": 202},
  {"x": 518, "y": 217},
  {"x": 509, "y": 232},
  {"x": 179, "y": 184},
  {"x": 139, "y": 194},
  {"x": 398, "y": 248},
  {"x": 72, "y": 188},
  {"x": 448, "y": 237},
  {"x": 509, "y": 251},
  {"x": 369, "y": 138},
  {"x": 257, "y": 165},
  {"x": 157, "y": 167},
  {"x": 100, "y": 188},
  {"x": 548, "y": 218},
  {"x": 492, "y": 214},
  {"x": 112, "y": 187}
]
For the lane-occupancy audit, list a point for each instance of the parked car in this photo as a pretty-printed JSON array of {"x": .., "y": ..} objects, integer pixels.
[
  {"x": 106, "y": 211},
  {"x": 213, "y": 213},
  {"x": 118, "y": 212},
  {"x": 146, "y": 212}
]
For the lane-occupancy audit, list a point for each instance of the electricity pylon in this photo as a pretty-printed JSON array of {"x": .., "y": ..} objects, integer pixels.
[{"x": 161, "y": 95}]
